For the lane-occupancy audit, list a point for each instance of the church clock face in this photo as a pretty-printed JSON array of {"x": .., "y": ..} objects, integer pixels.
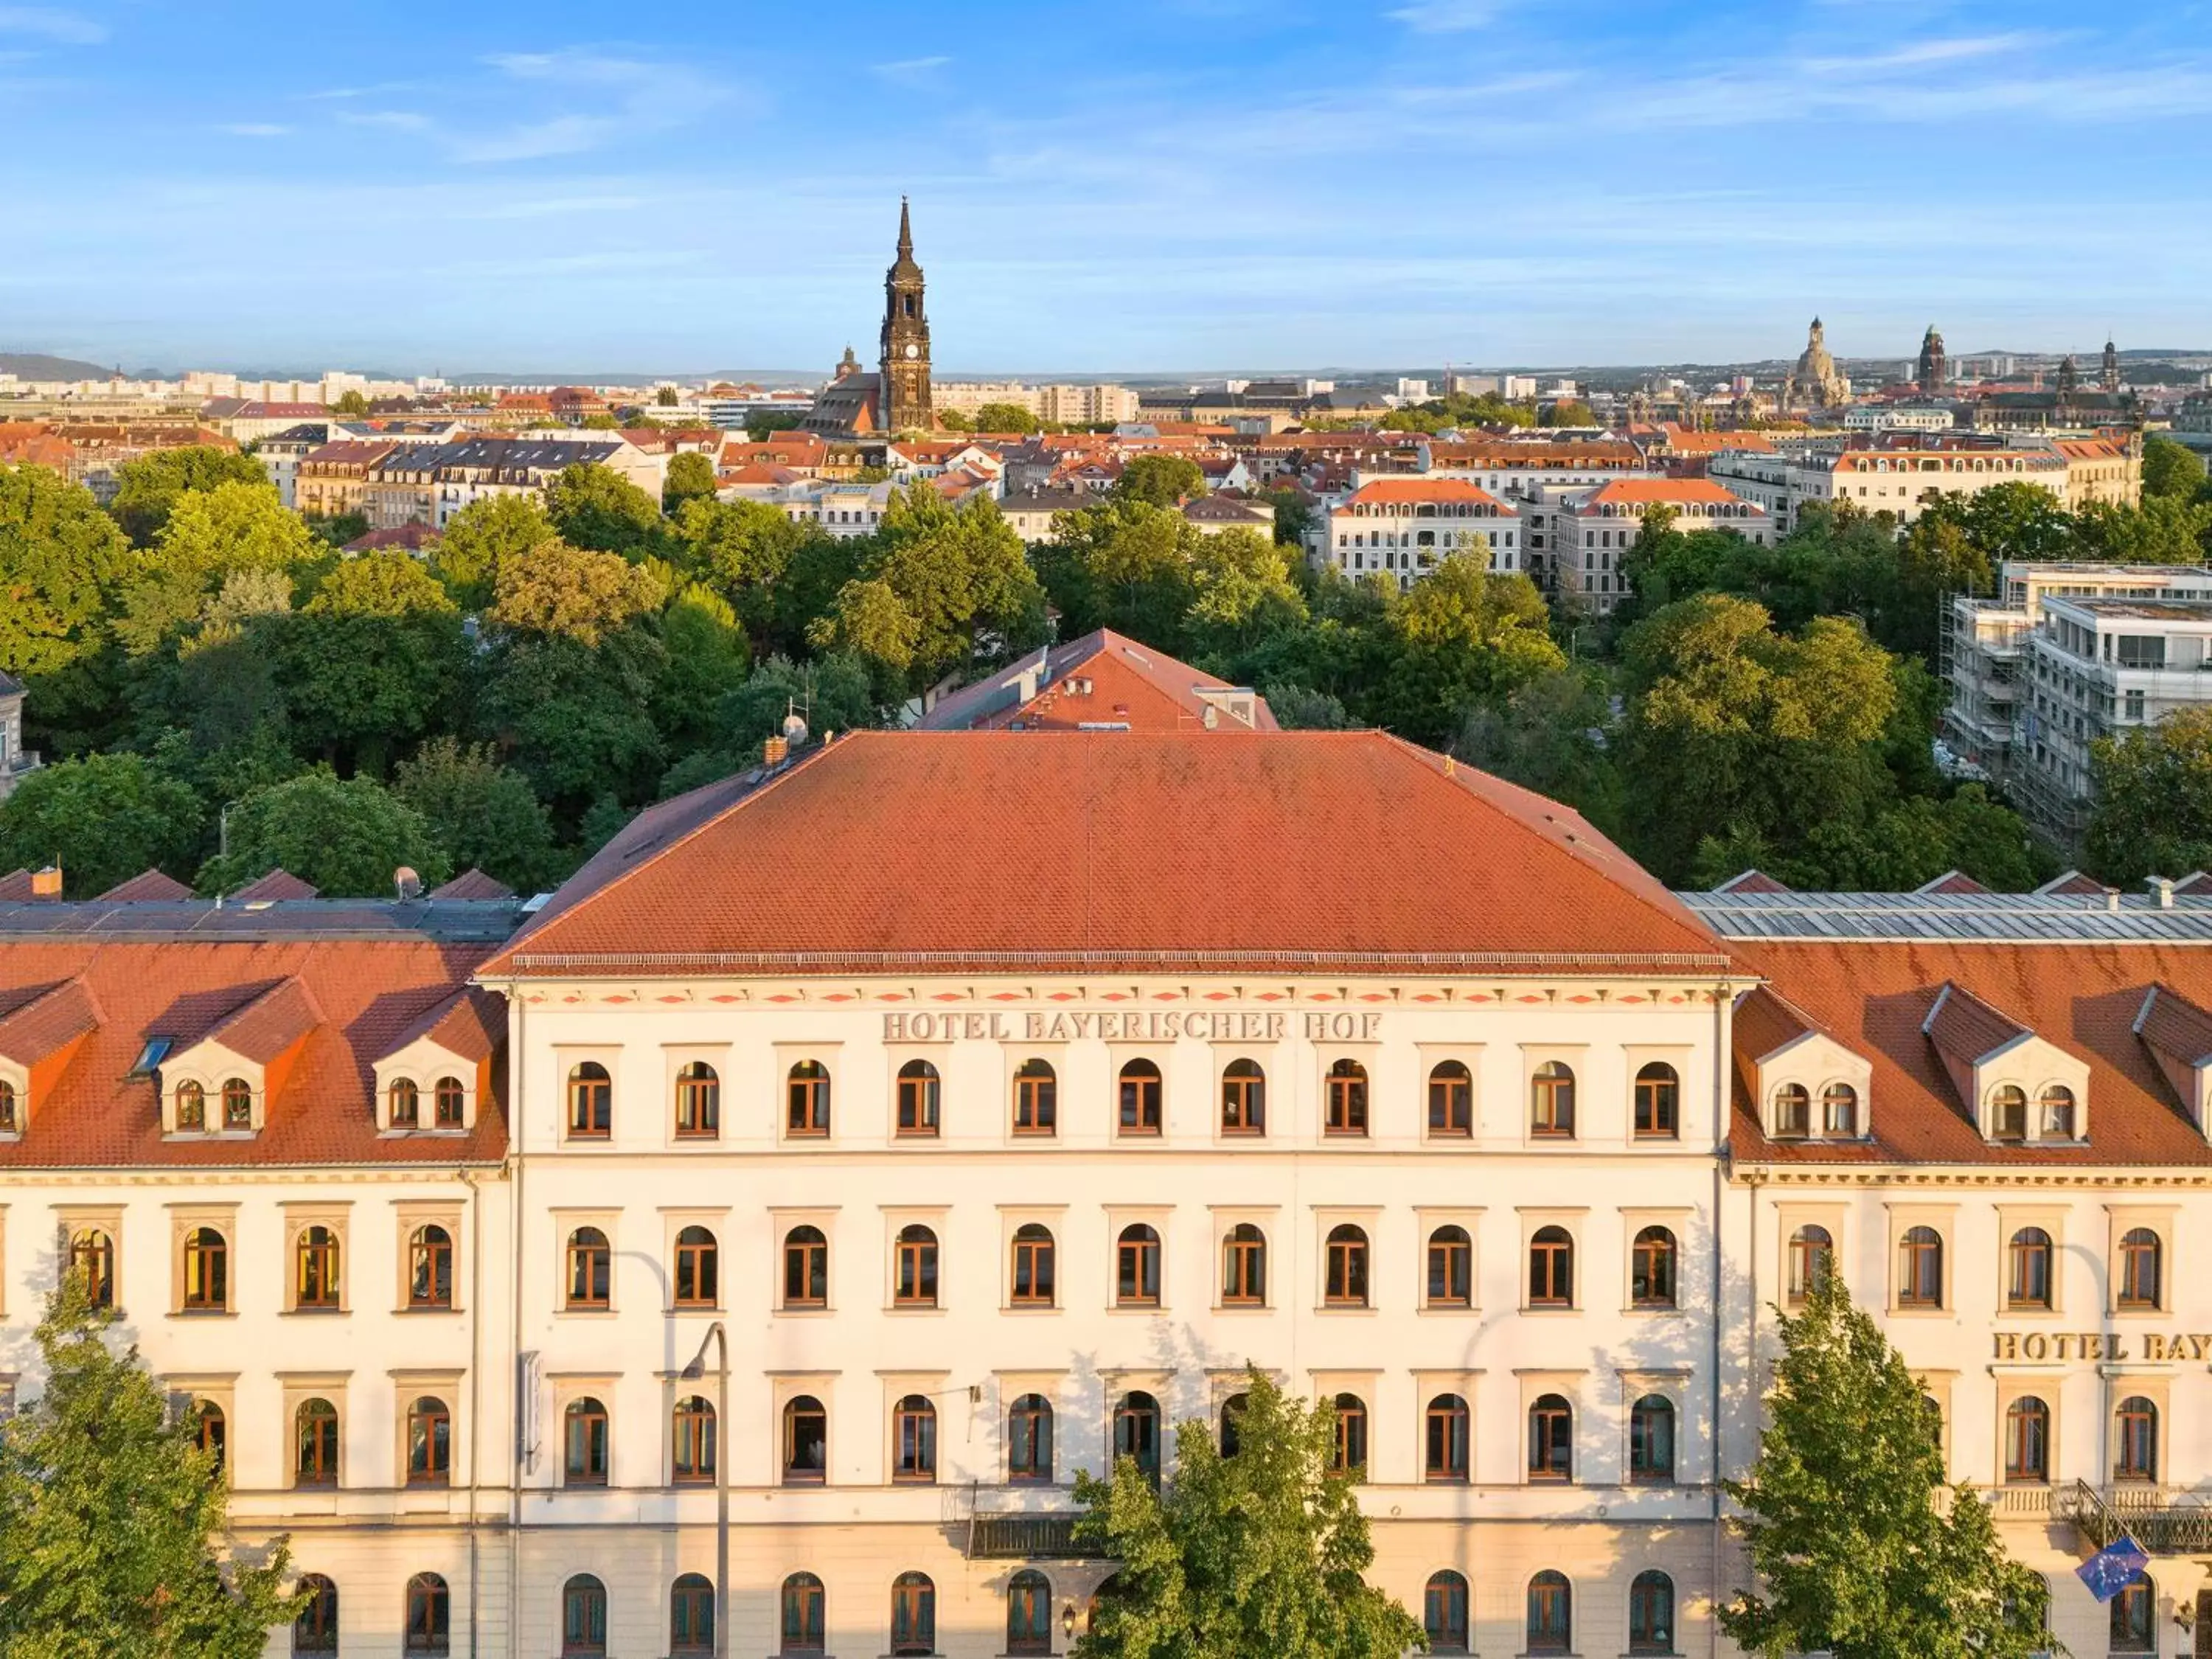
[{"x": 912, "y": 349}]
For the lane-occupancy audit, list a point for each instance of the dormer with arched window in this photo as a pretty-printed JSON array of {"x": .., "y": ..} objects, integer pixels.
[
  {"x": 429, "y": 1081},
  {"x": 2020, "y": 1088},
  {"x": 222, "y": 1083},
  {"x": 38, "y": 1037},
  {"x": 1806, "y": 1084}
]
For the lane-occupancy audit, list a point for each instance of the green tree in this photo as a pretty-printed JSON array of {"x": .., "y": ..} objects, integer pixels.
[
  {"x": 595, "y": 507},
  {"x": 1124, "y": 564},
  {"x": 571, "y": 593},
  {"x": 666, "y": 398},
  {"x": 2164, "y": 529},
  {"x": 375, "y": 660},
  {"x": 951, "y": 420},
  {"x": 484, "y": 539},
  {"x": 2171, "y": 469},
  {"x": 147, "y": 487},
  {"x": 351, "y": 404},
  {"x": 1159, "y": 480},
  {"x": 1256, "y": 1555},
  {"x": 832, "y": 694},
  {"x": 690, "y": 478},
  {"x": 104, "y": 818},
  {"x": 575, "y": 717},
  {"x": 705, "y": 657},
  {"x": 1296, "y": 708},
  {"x": 346, "y": 837},
  {"x": 1860, "y": 1548},
  {"x": 2152, "y": 787},
  {"x": 1460, "y": 636},
  {"x": 1459, "y": 409},
  {"x": 484, "y": 815},
  {"x": 1294, "y": 513},
  {"x": 233, "y": 526},
  {"x": 743, "y": 549},
  {"x": 1551, "y": 735},
  {"x": 110, "y": 1514},
  {"x": 1241, "y": 590},
  {"x": 1006, "y": 417},
  {"x": 61, "y": 564},
  {"x": 385, "y": 584},
  {"x": 1567, "y": 411}
]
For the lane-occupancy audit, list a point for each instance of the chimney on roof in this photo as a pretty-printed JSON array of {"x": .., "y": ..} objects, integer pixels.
[
  {"x": 2161, "y": 888},
  {"x": 407, "y": 884},
  {"x": 46, "y": 884},
  {"x": 2111, "y": 898},
  {"x": 775, "y": 749}
]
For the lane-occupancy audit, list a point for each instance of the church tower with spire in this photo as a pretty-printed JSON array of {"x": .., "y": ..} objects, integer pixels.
[
  {"x": 1934, "y": 368},
  {"x": 2109, "y": 377},
  {"x": 906, "y": 404}
]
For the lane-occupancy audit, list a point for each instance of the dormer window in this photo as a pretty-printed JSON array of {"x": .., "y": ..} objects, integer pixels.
[
  {"x": 11, "y": 1122},
  {"x": 406, "y": 1103},
  {"x": 2008, "y": 1113},
  {"x": 1792, "y": 1111},
  {"x": 2058, "y": 1112},
  {"x": 1839, "y": 1110},
  {"x": 451, "y": 1102},
  {"x": 191, "y": 1107},
  {"x": 237, "y": 1103}
]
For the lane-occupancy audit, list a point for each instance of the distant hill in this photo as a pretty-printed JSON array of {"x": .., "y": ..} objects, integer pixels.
[{"x": 37, "y": 366}]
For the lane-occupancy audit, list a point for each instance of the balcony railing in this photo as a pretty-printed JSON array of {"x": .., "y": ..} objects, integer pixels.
[
  {"x": 1024, "y": 1537},
  {"x": 2163, "y": 1520}
]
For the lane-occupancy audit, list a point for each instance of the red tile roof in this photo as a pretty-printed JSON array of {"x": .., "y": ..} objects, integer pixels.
[
  {"x": 1126, "y": 685},
  {"x": 472, "y": 883},
  {"x": 148, "y": 885},
  {"x": 1875, "y": 997},
  {"x": 48, "y": 1020},
  {"x": 413, "y": 537},
  {"x": 1952, "y": 881},
  {"x": 268, "y": 1024},
  {"x": 1750, "y": 881},
  {"x": 1386, "y": 492},
  {"x": 15, "y": 885},
  {"x": 366, "y": 995},
  {"x": 1671, "y": 492},
  {"x": 1130, "y": 850},
  {"x": 2072, "y": 881},
  {"x": 275, "y": 884}
]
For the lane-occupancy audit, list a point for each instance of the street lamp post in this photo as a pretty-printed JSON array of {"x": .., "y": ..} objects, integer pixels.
[{"x": 692, "y": 1373}]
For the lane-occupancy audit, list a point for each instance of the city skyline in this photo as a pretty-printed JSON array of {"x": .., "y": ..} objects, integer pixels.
[{"x": 1196, "y": 182}]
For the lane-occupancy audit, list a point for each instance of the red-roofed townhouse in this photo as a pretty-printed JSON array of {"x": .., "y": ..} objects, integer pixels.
[
  {"x": 1408, "y": 526},
  {"x": 1592, "y": 532}
]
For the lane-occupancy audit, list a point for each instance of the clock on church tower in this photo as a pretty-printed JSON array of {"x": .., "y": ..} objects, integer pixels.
[{"x": 906, "y": 404}]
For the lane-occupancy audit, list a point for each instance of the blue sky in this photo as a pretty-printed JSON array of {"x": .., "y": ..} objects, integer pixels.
[{"x": 1153, "y": 185}]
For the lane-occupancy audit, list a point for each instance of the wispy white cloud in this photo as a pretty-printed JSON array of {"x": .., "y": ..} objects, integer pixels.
[
  {"x": 1925, "y": 54},
  {"x": 253, "y": 129},
  {"x": 528, "y": 141},
  {"x": 549, "y": 206},
  {"x": 909, "y": 70},
  {"x": 392, "y": 120},
  {"x": 1447, "y": 16},
  {"x": 63, "y": 28}
]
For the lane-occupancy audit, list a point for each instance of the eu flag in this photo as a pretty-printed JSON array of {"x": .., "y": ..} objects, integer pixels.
[{"x": 2112, "y": 1568}]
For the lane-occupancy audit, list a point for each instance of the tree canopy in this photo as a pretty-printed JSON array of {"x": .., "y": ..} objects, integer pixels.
[
  {"x": 346, "y": 837},
  {"x": 1006, "y": 417},
  {"x": 146, "y": 488},
  {"x": 2153, "y": 799},
  {"x": 103, "y": 818},
  {"x": 1159, "y": 480}
]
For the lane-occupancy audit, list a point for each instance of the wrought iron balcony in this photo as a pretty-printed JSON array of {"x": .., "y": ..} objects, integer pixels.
[
  {"x": 2163, "y": 1520},
  {"x": 999, "y": 1536}
]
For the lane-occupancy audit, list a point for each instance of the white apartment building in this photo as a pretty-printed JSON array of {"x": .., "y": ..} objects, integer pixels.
[
  {"x": 1896, "y": 480},
  {"x": 14, "y": 760},
  {"x": 1408, "y": 526},
  {"x": 1985, "y": 641},
  {"x": 1591, "y": 532},
  {"x": 1899, "y": 417},
  {"x": 2093, "y": 667},
  {"x": 1065, "y": 404},
  {"x": 1515, "y": 468}
]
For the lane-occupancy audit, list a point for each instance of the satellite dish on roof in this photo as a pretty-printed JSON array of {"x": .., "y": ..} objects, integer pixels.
[{"x": 794, "y": 730}]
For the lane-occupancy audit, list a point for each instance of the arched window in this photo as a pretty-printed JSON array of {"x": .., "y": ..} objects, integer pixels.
[
  {"x": 1137, "y": 1433},
  {"x": 1811, "y": 1259},
  {"x": 692, "y": 1460},
  {"x": 914, "y": 1440},
  {"x": 1029, "y": 1612},
  {"x": 315, "y": 1626},
  {"x": 1444, "y": 1439},
  {"x": 2139, "y": 1268},
  {"x": 583, "y": 1617},
  {"x": 1347, "y": 1098},
  {"x": 919, "y": 1088},
  {"x": 1658, "y": 1101},
  {"x": 1232, "y": 1423},
  {"x": 2028, "y": 1440},
  {"x": 591, "y": 1102},
  {"x": 1793, "y": 1109},
  {"x": 1651, "y": 1613},
  {"x": 2027, "y": 1278},
  {"x": 1444, "y": 1612},
  {"x": 192, "y": 1106},
  {"x": 1840, "y": 1113},
  {"x": 1551, "y": 1438},
  {"x": 698, "y": 1102},
  {"x": 914, "y": 1283},
  {"x": 1651, "y": 1269},
  {"x": 914, "y": 1614},
  {"x": 691, "y": 1615},
  {"x": 806, "y": 1096},
  {"x": 210, "y": 1431},
  {"x": 207, "y": 1272},
  {"x": 428, "y": 1616},
  {"x": 1451, "y": 1099},
  {"x": 805, "y": 1441},
  {"x": 590, "y": 1266},
  {"x": 1346, "y": 1282},
  {"x": 2135, "y": 1457},
  {"x": 237, "y": 1103},
  {"x": 2008, "y": 1112},
  {"x": 92, "y": 1259},
  {"x": 1350, "y": 1457},
  {"x": 406, "y": 1101},
  {"x": 1141, "y": 1089},
  {"x": 1451, "y": 1268},
  {"x": 1920, "y": 1268},
  {"x": 9, "y": 1123},
  {"x": 2135, "y": 1617},
  {"x": 2057, "y": 1101},
  {"x": 315, "y": 1444},
  {"x": 450, "y": 1102},
  {"x": 584, "y": 1443},
  {"x": 1551, "y": 1614},
  {"x": 1244, "y": 1098},
  {"x": 806, "y": 1268},
  {"x": 1551, "y": 1100},
  {"x": 1244, "y": 1266},
  {"x": 430, "y": 1267},
  {"x": 1029, "y": 1440},
  {"x": 1551, "y": 1269},
  {"x": 1037, "y": 1098},
  {"x": 1651, "y": 1440},
  {"x": 317, "y": 1268},
  {"x": 429, "y": 1442},
  {"x": 1033, "y": 1265},
  {"x": 1137, "y": 1268},
  {"x": 698, "y": 1269},
  {"x": 804, "y": 1622}
]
